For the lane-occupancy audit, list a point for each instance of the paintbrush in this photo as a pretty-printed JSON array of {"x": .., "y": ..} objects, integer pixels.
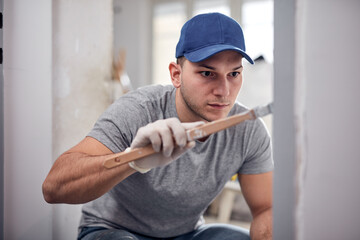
[{"x": 192, "y": 134}]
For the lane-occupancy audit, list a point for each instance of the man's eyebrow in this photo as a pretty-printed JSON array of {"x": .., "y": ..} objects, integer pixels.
[
  {"x": 238, "y": 67},
  {"x": 206, "y": 66},
  {"x": 213, "y": 68}
]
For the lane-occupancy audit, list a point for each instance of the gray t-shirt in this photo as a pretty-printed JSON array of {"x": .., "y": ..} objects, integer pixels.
[{"x": 169, "y": 201}]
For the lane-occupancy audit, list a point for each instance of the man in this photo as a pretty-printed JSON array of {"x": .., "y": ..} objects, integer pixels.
[{"x": 164, "y": 196}]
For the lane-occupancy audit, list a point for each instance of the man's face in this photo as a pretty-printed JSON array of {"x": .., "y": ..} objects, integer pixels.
[{"x": 208, "y": 89}]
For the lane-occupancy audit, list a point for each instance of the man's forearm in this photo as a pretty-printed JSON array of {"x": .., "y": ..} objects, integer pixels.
[
  {"x": 78, "y": 178},
  {"x": 261, "y": 226}
]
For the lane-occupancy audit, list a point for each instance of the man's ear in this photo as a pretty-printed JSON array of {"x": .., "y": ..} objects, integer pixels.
[{"x": 175, "y": 74}]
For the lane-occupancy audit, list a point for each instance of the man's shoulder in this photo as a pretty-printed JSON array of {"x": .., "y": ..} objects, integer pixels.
[
  {"x": 151, "y": 92},
  {"x": 151, "y": 89},
  {"x": 154, "y": 101},
  {"x": 238, "y": 108}
]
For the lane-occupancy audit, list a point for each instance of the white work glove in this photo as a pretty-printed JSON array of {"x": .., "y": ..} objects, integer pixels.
[{"x": 168, "y": 139}]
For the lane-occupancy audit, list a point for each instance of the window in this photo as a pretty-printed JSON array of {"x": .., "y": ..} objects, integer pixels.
[
  {"x": 205, "y": 6},
  {"x": 257, "y": 22}
]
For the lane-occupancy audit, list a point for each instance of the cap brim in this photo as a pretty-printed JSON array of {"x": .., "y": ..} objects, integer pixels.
[{"x": 206, "y": 52}]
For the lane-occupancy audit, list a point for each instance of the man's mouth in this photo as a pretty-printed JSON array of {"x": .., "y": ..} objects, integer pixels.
[{"x": 219, "y": 105}]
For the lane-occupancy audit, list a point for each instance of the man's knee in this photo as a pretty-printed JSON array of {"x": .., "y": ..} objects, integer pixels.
[
  {"x": 222, "y": 231},
  {"x": 110, "y": 234}
]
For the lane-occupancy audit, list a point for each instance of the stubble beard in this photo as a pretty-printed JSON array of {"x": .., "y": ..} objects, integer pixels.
[{"x": 190, "y": 103}]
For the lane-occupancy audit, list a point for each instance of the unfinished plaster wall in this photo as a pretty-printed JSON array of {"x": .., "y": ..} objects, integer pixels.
[
  {"x": 316, "y": 129},
  {"x": 328, "y": 71},
  {"x": 82, "y": 60}
]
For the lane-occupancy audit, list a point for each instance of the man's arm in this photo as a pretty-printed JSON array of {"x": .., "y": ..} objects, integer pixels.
[
  {"x": 257, "y": 191},
  {"x": 78, "y": 175}
]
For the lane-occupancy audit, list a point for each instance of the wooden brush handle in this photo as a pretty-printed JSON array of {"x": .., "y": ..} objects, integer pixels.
[
  {"x": 192, "y": 134},
  {"x": 218, "y": 125},
  {"x": 128, "y": 156}
]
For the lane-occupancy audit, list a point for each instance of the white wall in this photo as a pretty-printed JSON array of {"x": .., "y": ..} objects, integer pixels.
[
  {"x": 27, "y": 121},
  {"x": 57, "y": 73},
  {"x": 316, "y": 193},
  {"x": 329, "y": 67}
]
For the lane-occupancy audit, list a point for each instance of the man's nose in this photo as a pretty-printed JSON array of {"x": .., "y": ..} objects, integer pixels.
[{"x": 222, "y": 87}]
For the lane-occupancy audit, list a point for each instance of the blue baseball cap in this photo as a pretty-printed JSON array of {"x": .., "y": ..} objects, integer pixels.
[{"x": 207, "y": 34}]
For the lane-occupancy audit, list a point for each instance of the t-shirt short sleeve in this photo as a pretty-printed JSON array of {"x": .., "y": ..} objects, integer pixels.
[
  {"x": 257, "y": 153},
  {"x": 116, "y": 126}
]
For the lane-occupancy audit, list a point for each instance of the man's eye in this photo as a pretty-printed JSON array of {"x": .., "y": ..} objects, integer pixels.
[
  {"x": 206, "y": 73},
  {"x": 234, "y": 74}
]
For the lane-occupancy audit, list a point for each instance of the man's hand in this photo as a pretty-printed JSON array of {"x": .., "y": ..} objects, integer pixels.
[{"x": 167, "y": 137}]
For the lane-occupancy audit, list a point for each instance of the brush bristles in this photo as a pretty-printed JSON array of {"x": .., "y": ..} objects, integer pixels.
[{"x": 262, "y": 111}]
